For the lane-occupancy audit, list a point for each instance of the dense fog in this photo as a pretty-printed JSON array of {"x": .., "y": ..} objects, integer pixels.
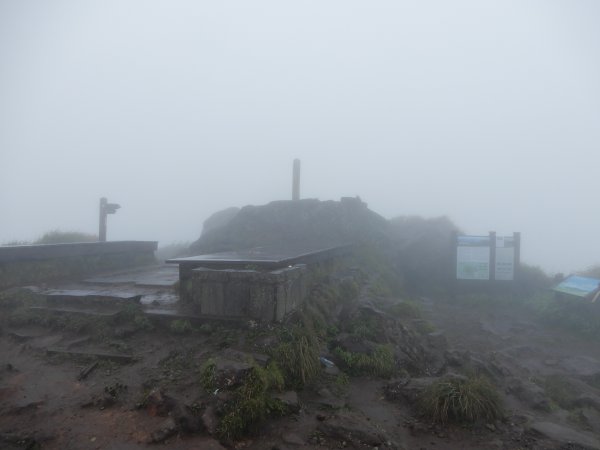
[{"x": 486, "y": 112}]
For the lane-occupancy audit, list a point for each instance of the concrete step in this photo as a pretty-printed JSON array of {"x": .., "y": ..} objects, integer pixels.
[
  {"x": 163, "y": 314},
  {"x": 153, "y": 276},
  {"x": 120, "y": 358},
  {"x": 82, "y": 311},
  {"x": 91, "y": 297}
]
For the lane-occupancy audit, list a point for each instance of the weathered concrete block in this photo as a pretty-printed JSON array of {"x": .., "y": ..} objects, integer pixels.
[{"x": 260, "y": 295}]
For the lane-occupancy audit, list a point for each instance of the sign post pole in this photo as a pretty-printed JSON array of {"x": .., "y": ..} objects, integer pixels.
[
  {"x": 517, "y": 263},
  {"x": 492, "y": 256}
]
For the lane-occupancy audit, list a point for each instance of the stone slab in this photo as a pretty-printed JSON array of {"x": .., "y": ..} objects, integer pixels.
[
  {"x": 159, "y": 276},
  {"x": 565, "y": 435},
  {"x": 77, "y": 311},
  {"x": 91, "y": 354}
]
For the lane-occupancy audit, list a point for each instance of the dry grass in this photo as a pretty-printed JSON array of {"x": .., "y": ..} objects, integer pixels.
[{"x": 462, "y": 400}]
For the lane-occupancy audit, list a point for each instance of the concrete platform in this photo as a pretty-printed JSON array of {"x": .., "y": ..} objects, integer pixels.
[
  {"x": 153, "y": 276},
  {"x": 267, "y": 257}
]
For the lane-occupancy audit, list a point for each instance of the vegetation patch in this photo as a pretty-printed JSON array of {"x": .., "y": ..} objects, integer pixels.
[
  {"x": 406, "y": 309},
  {"x": 364, "y": 328},
  {"x": 207, "y": 375},
  {"x": 177, "y": 363},
  {"x": 252, "y": 403},
  {"x": 180, "y": 326},
  {"x": 461, "y": 400},
  {"x": 559, "y": 390},
  {"x": 64, "y": 237},
  {"x": 575, "y": 315},
  {"x": 297, "y": 354},
  {"x": 380, "y": 362}
]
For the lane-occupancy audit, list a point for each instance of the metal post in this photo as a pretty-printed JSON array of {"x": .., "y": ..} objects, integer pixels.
[
  {"x": 454, "y": 264},
  {"x": 492, "y": 255},
  {"x": 102, "y": 227},
  {"x": 517, "y": 255},
  {"x": 296, "y": 180}
]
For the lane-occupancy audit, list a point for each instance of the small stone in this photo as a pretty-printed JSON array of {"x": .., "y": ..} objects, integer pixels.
[
  {"x": 168, "y": 429},
  {"x": 209, "y": 420},
  {"x": 490, "y": 426},
  {"x": 289, "y": 398},
  {"x": 292, "y": 438}
]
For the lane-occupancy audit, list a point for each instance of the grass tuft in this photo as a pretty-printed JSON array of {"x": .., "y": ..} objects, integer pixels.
[
  {"x": 180, "y": 326},
  {"x": 461, "y": 400},
  {"x": 252, "y": 403},
  {"x": 207, "y": 375},
  {"x": 380, "y": 363},
  {"x": 298, "y": 356}
]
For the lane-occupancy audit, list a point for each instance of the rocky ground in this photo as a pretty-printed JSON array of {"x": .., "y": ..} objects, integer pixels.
[{"x": 72, "y": 384}]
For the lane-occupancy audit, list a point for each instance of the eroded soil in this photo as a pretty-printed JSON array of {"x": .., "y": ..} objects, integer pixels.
[{"x": 548, "y": 379}]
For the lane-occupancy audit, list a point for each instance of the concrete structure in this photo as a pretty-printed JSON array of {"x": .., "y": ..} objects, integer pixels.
[
  {"x": 264, "y": 283},
  {"x": 24, "y": 264},
  {"x": 264, "y": 296}
]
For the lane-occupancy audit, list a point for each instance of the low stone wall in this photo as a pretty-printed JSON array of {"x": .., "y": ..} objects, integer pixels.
[
  {"x": 26, "y": 264},
  {"x": 264, "y": 296}
]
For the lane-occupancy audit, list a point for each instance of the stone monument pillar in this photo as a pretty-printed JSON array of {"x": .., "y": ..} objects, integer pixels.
[{"x": 296, "y": 181}]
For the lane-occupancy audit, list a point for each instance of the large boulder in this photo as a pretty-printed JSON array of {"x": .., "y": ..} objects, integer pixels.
[{"x": 309, "y": 222}]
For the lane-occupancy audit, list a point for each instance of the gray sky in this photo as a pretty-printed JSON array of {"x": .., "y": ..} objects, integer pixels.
[{"x": 485, "y": 111}]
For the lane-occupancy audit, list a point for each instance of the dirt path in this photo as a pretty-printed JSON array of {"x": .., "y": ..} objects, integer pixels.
[{"x": 549, "y": 380}]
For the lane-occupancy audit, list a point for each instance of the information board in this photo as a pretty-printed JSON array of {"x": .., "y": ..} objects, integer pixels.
[
  {"x": 473, "y": 258},
  {"x": 578, "y": 286},
  {"x": 505, "y": 258}
]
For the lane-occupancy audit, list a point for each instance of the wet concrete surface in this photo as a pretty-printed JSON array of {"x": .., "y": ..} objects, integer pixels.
[{"x": 151, "y": 285}]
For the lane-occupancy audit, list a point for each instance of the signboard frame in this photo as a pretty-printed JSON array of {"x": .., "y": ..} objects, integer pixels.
[{"x": 504, "y": 254}]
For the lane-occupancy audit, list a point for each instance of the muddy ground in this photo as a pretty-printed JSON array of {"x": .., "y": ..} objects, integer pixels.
[{"x": 549, "y": 381}]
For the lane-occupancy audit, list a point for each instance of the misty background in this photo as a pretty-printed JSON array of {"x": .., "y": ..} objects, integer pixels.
[{"x": 487, "y": 112}]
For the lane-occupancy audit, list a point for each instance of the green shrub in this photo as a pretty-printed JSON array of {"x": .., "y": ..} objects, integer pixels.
[
  {"x": 424, "y": 326},
  {"x": 63, "y": 237},
  {"x": 380, "y": 363},
  {"x": 207, "y": 375},
  {"x": 560, "y": 390},
  {"x": 180, "y": 326},
  {"x": 461, "y": 400},
  {"x": 406, "y": 309},
  {"x": 297, "y": 354},
  {"x": 142, "y": 322},
  {"x": 592, "y": 271},
  {"x": 252, "y": 403}
]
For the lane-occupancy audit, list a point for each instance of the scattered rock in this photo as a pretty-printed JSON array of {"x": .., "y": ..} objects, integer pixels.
[
  {"x": 437, "y": 340},
  {"x": 292, "y": 438},
  {"x": 87, "y": 370},
  {"x": 582, "y": 366},
  {"x": 289, "y": 399},
  {"x": 327, "y": 399},
  {"x": 166, "y": 430},
  {"x": 355, "y": 429},
  {"x": 529, "y": 393},
  {"x": 125, "y": 331},
  {"x": 587, "y": 401},
  {"x": 565, "y": 435},
  {"x": 159, "y": 404},
  {"x": 210, "y": 420},
  {"x": 407, "y": 389},
  {"x": 230, "y": 372}
]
